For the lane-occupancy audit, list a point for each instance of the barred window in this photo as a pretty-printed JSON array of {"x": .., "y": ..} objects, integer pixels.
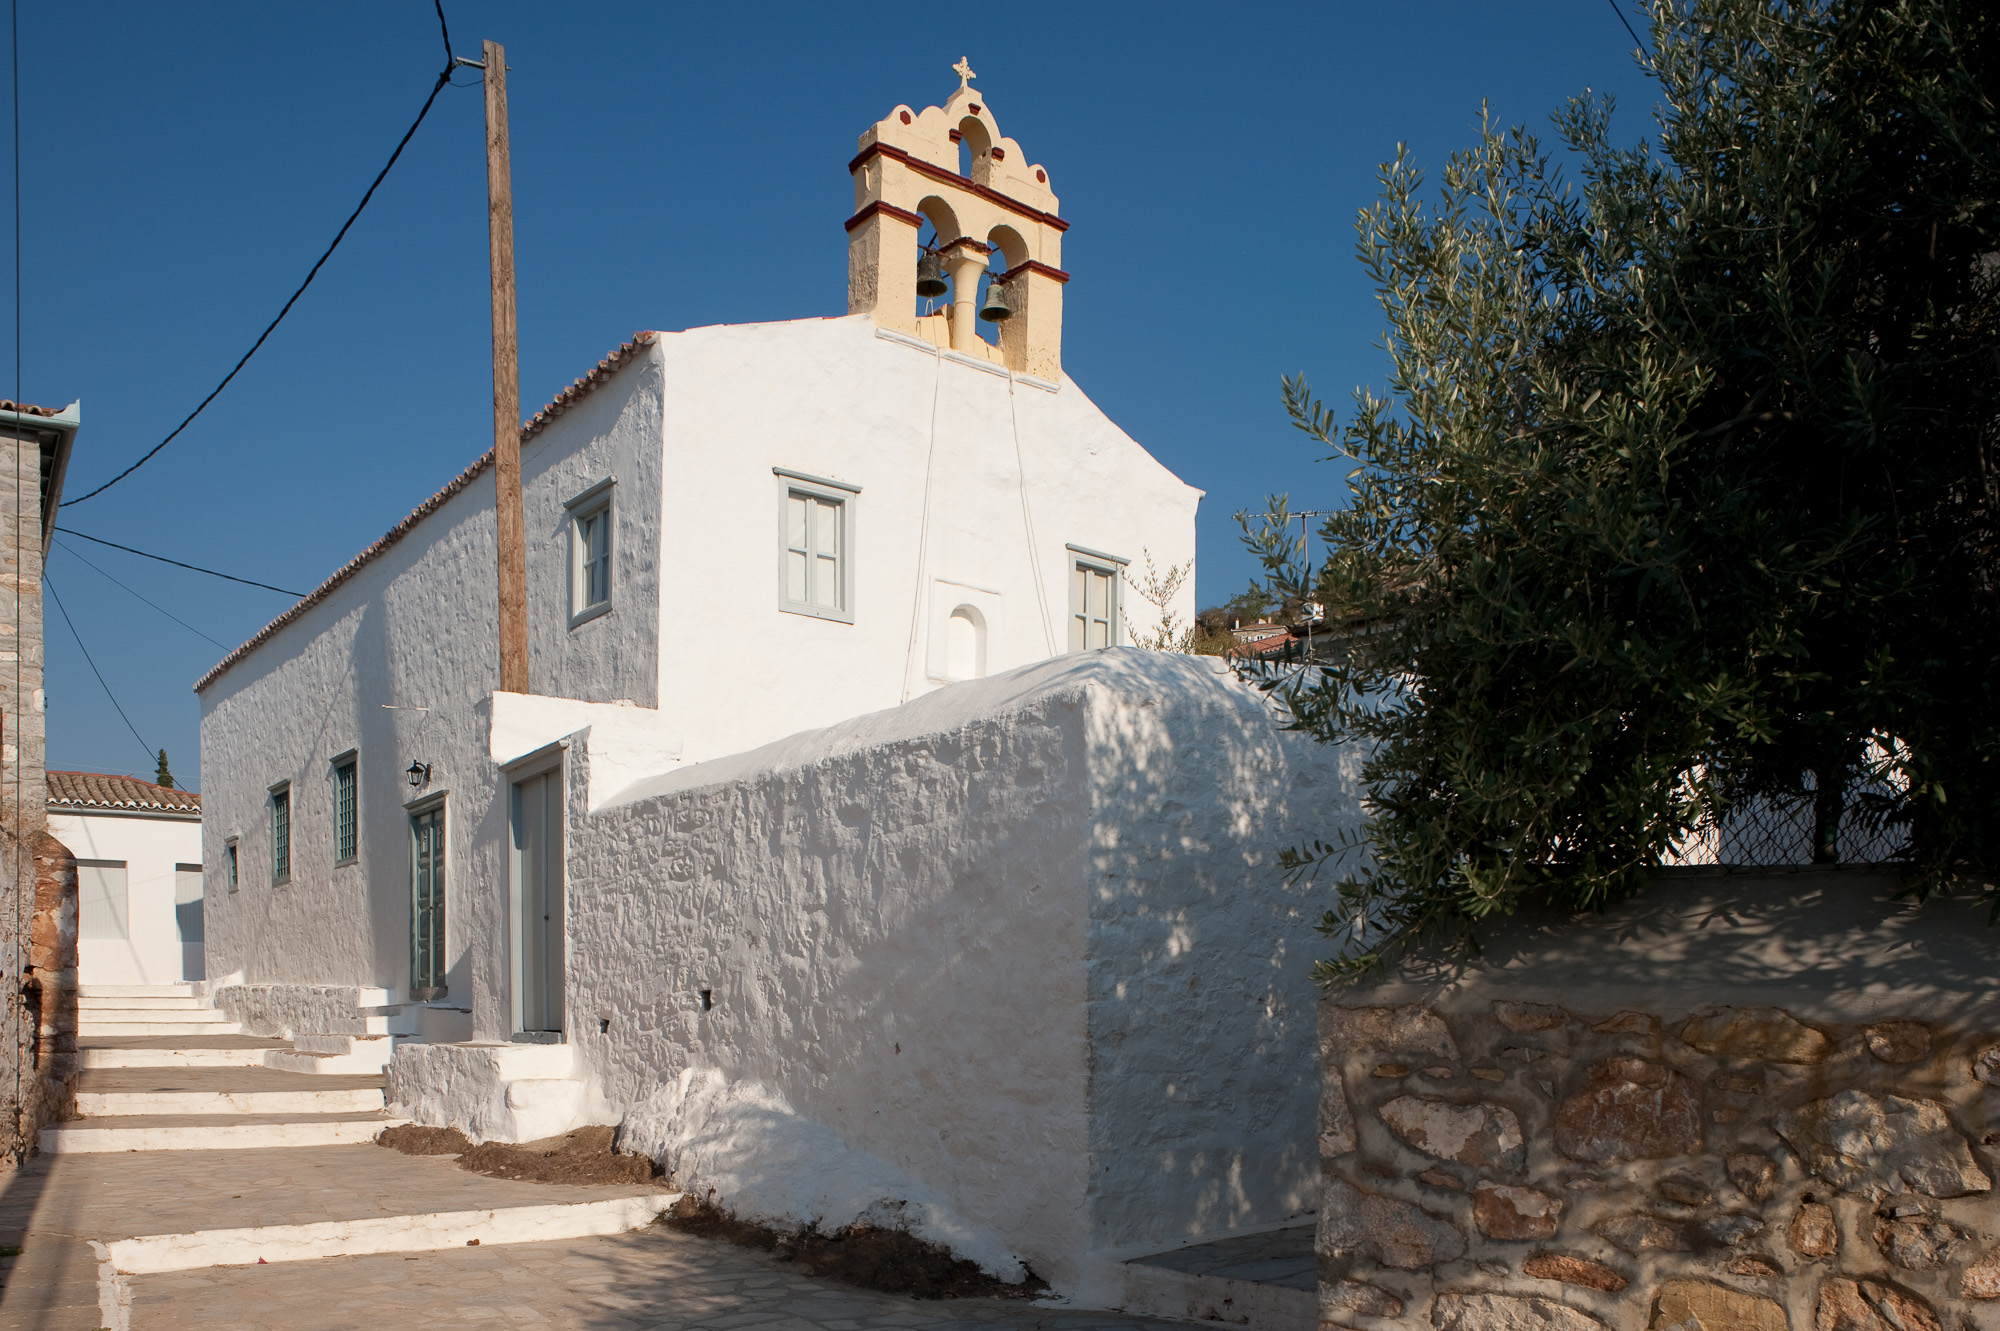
[
  {"x": 346, "y": 842},
  {"x": 281, "y": 834}
]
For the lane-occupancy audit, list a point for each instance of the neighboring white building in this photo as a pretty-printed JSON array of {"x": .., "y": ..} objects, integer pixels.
[
  {"x": 138, "y": 876},
  {"x": 684, "y": 880}
]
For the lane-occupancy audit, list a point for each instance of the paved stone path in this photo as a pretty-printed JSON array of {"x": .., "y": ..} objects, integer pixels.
[{"x": 652, "y": 1278}]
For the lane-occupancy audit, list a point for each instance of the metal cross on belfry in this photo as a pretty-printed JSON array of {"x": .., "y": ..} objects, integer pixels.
[{"x": 964, "y": 71}]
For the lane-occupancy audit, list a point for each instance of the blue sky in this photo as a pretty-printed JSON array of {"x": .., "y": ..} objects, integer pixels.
[{"x": 674, "y": 166}]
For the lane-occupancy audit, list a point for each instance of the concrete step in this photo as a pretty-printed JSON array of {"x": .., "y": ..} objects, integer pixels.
[
  {"x": 135, "y": 991},
  {"x": 91, "y": 1030},
  {"x": 429, "y": 1232},
  {"x": 212, "y": 1132},
  {"x": 189, "y": 1012},
  {"x": 117, "y": 1104},
  {"x": 89, "y": 1058},
  {"x": 140, "y": 1003}
]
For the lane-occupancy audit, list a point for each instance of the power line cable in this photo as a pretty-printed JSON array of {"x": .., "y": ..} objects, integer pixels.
[
  {"x": 436, "y": 88},
  {"x": 76, "y": 554},
  {"x": 1614, "y": 9},
  {"x": 93, "y": 665},
  {"x": 285, "y": 591}
]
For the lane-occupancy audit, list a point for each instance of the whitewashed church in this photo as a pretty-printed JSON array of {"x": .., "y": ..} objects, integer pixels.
[{"x": 920, "y": 890}]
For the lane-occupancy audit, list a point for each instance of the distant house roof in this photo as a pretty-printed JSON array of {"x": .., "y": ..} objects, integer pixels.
[
  {"x": 94, "y": 792},
  {"x": 535, "y": 424}
]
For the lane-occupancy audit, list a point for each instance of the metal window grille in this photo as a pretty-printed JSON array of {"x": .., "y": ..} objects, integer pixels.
[
  {"x": 346, "y": 841},
  {"x": 281, "y": 835}
]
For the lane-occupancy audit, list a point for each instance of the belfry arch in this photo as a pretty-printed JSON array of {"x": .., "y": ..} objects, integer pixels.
[{"x": 906, "y": 174}]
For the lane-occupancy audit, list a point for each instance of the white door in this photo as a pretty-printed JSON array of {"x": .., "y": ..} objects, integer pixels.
[
  {"x": 187, "y": 914},
  {"x": 536, "y": 852}
]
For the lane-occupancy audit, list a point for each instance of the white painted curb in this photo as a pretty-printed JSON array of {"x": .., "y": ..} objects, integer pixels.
[{"x": 394, "y": 1233}]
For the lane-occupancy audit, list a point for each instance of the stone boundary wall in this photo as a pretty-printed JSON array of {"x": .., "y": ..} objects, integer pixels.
[{"x": 1563, "y": 1138}]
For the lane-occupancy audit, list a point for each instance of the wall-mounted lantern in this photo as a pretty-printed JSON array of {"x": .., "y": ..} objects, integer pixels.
[{"x": 419, "y": 774}]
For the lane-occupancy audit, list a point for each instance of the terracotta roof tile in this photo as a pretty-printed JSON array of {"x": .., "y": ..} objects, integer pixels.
[
  {"x": 28, "y": 408},
  {"x": 71, "y": 792},
  {"x": 534, "y": 425}
]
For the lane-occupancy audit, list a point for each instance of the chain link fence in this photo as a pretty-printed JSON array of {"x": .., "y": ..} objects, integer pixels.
[{"x": 1770, "y": 833}]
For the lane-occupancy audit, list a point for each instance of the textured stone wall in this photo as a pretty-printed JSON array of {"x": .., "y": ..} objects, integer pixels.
[
  {"x": 1648, "y": 1160},
  {"x": 37, "y": 874}
]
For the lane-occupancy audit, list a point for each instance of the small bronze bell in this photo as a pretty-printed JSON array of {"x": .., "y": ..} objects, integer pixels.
[
  {"x": 996, "y": 310},
  {"x": 930, "y": 274}
]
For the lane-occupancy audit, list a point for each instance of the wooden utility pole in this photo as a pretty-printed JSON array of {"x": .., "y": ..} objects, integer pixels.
[{"x": 506, "y": 384}]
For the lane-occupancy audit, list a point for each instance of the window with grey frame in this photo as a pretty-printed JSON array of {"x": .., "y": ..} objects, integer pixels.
[
  {"x": 281, "y": 833},
  {"x": 590, "y": 537},
  {"x": 346, "y": 809},
  {"x": 229, "y": 864},
  {"x": 1093, "y": 601},
  {"x": 816, "y": 574}
]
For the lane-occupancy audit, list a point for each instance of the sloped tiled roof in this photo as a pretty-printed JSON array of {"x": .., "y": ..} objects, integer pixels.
[
  {"x": 28, "y": 408},
  {"x": 77, "y": 792},
  {"x": 535, "y": 424}
]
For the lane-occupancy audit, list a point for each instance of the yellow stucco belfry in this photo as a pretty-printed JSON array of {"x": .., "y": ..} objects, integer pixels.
[{"x": 906, "y": 174}]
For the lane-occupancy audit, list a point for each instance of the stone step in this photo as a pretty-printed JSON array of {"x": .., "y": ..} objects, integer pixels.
[
  {"x": 212, "y": 1132},
  {"x": 96, "y": 1105},
  {"x": 120, "y": 1012},
  {"x": 87, "y": 991},
  {"x": 430, "y": 1232},
  {"x": 141, "y": 1003},
  {"x": 90, "y": 1057},
  {"x": 91, "y": 1030}
]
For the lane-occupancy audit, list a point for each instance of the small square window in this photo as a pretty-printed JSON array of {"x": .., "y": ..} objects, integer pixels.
[
  {"x": 346, "y": 810},
  {"x": 590, "y": 553},
  {"x": 281, "y": 834},
  {"x": 1093, "y": 601}
]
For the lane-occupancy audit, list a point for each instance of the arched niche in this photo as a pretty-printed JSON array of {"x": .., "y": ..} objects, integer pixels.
[{"x": 965, "y": 644}]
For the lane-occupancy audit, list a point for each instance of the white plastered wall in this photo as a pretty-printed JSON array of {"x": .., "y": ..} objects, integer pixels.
[
  {"x": 150, "y": 953},
  {"x": 399, "y": 663},
  {"x": 1022, "y": 941},
  {"x": 956, "y": 463},
  {"x": 690, "y": 427}
]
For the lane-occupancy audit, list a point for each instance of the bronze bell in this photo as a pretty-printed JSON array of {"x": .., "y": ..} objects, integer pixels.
[
  {"x": 996, "y": 310},
  {"x": 930, "y": 274}
]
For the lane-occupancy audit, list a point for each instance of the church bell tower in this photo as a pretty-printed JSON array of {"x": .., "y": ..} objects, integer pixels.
[{"x": 906, "y": 174}]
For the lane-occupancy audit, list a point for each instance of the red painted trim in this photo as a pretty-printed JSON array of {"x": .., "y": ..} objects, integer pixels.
[
  {"x": 1035, "y": 266},
  {"x": 969, "y": 243},
  {"x": 887, "y": 210},
  {"x": 923, "y": 168}
]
